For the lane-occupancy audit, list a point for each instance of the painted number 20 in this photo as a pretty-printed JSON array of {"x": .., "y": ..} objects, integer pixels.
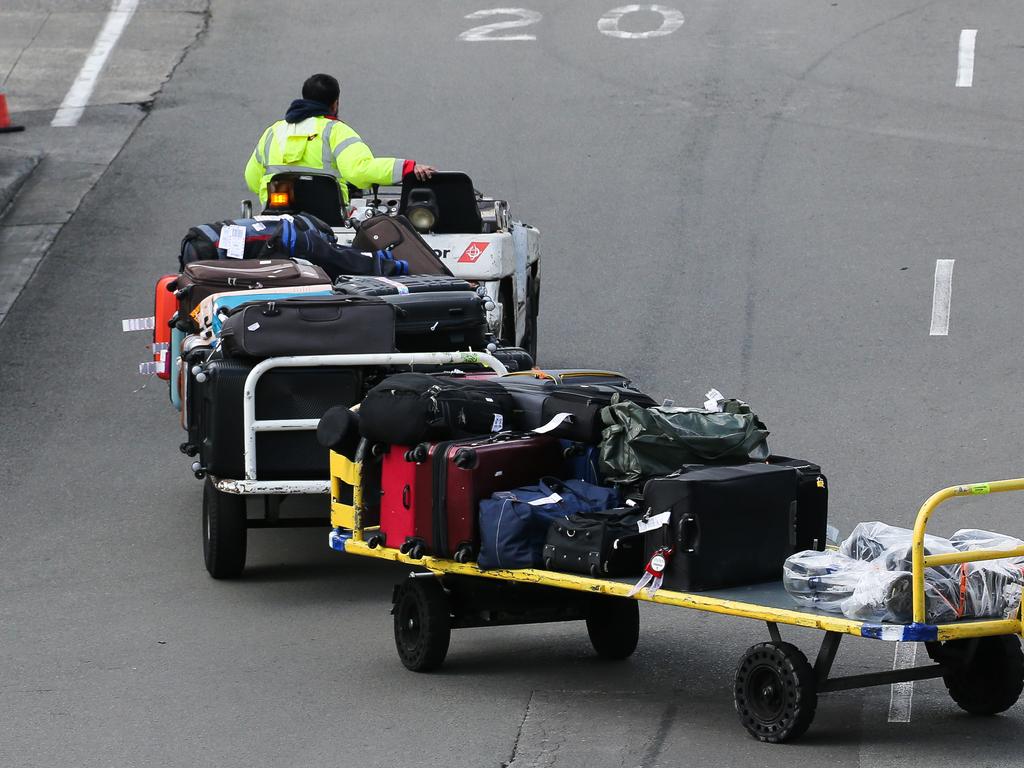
[{"x": 671, "y": 20}]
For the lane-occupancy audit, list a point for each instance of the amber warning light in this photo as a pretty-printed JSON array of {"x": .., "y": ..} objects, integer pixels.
[{"x": 279, "y": 199}]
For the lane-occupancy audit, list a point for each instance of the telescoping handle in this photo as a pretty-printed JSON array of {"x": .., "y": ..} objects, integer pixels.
[{"x": 922, "y": 561}]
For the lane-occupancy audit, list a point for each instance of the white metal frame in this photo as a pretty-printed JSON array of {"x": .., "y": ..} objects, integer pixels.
[{"x": 250, "y": 485}]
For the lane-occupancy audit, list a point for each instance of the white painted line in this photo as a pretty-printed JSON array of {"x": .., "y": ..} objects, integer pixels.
[
  {"x": 941, "y": 297},
  {"x": 77, "y": 98},
  {"x": 901, "y": 698},
  {"x": 965, "y": 59},
  {"x": 671, "y": 20}
]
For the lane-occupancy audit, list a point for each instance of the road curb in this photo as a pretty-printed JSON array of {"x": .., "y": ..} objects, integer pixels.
[{"x": 15, "y": 169}]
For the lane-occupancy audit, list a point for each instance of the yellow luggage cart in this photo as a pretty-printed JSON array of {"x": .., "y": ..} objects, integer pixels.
[{"x": 776, "y": 687}]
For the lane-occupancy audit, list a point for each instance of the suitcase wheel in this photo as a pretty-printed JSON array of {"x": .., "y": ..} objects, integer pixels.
[
  {"x": 375, "y": 541},
  {"x": 406, "y": 546},
  {"x": 189, "y": 449},
  {"x": 418, "y": 454},
  {"x": 548, "y": 564},
  {"x": 417, "y": 551},
  {"x": 464, "y": 553},
  {"x": 465, "y": 458}
]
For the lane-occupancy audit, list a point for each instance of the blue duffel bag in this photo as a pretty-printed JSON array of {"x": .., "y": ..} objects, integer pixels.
[{"x": 514, "y": 524}]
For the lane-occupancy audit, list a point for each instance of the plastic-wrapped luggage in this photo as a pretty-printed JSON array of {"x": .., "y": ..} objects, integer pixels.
[{"x": 869, "y": 578}]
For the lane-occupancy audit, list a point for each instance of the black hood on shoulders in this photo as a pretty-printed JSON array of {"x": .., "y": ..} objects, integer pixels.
[{"x": 300, "y": 109}]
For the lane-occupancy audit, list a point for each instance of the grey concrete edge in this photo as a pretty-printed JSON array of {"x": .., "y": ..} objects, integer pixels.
[{"x": 15, "y": 169}]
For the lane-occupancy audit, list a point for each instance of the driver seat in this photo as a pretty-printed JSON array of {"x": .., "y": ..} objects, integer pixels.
[{"x": 315, "y": 194}]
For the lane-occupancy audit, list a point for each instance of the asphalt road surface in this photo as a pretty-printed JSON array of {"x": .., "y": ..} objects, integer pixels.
[{"x": 755, "y": 201}]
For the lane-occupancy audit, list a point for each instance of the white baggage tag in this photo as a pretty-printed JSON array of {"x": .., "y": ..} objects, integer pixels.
[
  {"x": 148, "y": 369},
  {"x": 554, "y": 498},
  {"x": 138, "y": 324},
  {"x": 498, "y": 424},
  {"x": 553, "y": 424},
  {"x": 232, "y": 240},
  {"x": 714, "y": 397},
  {"x": 653, "y": 523},
  {"x": 259, "y": 226}
]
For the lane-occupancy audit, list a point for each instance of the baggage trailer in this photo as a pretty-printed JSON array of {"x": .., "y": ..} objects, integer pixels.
[
  {"x": 226, "y": 519},
  {"x": 776, "y": 687}
]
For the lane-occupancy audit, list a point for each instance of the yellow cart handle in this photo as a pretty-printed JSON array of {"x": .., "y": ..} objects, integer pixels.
[{"x": 922, "y": 561}]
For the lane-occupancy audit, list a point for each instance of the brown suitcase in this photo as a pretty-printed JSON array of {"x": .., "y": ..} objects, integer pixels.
[
  {"x": 205, "y": 278},
  {"x": 396, "y": 234}
]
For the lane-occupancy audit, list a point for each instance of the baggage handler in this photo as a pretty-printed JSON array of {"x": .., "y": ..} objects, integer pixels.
[{"x": 312, "y": 139}]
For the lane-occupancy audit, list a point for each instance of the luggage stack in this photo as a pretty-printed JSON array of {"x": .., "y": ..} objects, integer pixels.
[
  {"x": 562, "y": 470},
  {"x": 272, "y": 286}
]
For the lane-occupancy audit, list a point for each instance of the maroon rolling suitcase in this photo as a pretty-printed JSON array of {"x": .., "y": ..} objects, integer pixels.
[{"x": 460, "y": 473}]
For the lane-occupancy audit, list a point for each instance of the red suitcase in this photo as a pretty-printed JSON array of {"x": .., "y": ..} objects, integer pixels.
[
  {"x": 430, "y": 494},
  {"x": 165, "y": 305}
]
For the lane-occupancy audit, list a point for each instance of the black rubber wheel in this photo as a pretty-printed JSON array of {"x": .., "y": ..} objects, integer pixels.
[
  {"x": 613, "y": 624},
  {"x": 224, "y": 532},
  {"x": 775, "y": 694},
  {"x": 991, "y": 681},
  {"x": 422, "y": 624}
]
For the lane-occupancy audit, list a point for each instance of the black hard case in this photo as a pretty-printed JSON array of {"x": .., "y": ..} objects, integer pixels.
[
  {"x": 391, "y": 286},
  {"x": 729, "y": 526},
  {"x": 215, "y": 407},
  {"x": 309, "y": 325},
  {"x": 447, "y": 321},
  {"x": 812, "y": 502}
]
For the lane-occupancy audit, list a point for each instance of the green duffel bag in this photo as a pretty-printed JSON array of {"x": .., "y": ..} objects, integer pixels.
[{"x": 642, "y": 442}]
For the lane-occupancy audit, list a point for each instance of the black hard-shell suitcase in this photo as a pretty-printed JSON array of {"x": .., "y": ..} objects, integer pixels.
[
  {"x": 812, "y": 502},
  {"x": 447, "y": 321},
  {"x": 309, "y": 325},
  {"x": 390, "y": 286},
  {"x": 215, "y": 405},
  {"x": 728, "y": 525}
]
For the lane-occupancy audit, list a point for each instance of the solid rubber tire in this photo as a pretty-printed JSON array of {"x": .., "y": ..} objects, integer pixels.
[
  {"x": 224, "y": 532},
  {"x": 422, "y": 624},
  {"x": 613, "y": 624},
  {"x": 775, "y": 676},
  {"x": 993, "y": 681}
]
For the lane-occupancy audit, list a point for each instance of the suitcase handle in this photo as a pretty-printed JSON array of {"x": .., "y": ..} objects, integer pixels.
[
  {"x": 689, "y": 534},
  {"x": 405, "y": 496}
]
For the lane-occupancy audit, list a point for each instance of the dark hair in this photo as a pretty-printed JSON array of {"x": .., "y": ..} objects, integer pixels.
[{"x": 322, "y": 88}]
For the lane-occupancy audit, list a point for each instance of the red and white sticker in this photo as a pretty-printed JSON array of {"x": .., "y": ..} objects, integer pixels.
[{"x": 473, "y": 252}]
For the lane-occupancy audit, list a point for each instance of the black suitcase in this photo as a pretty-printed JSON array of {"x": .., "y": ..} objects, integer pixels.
[
  {"x": 409, "y": 408},
  {"x": 390, "y": 286},
  {"x": 812, "y": 502},
  {"x": 728, "y": 525},
  {"x": 539, "y": 401},
  {"x": 309, "y": 325},
  {"x": 447, "y": 321},
  {"x": 597, "y": 544},
  {"x": 215, "y": 406}
]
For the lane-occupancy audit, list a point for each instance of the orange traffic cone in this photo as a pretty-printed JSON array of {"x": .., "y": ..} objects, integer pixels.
[{"x": 5, "y": 118}]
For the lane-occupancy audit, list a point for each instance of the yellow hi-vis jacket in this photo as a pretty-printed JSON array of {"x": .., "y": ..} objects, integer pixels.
[{"x": 318, "y": 145}]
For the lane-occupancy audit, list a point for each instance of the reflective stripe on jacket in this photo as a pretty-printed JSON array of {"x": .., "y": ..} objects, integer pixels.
[{"x": 319, "y": 145}]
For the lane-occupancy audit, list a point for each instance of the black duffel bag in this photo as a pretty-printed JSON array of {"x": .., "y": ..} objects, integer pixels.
[
  {"x": 597, "y": 544},
  {"x": 410, "y": 408},
  {"x": 309, "y": 325}
]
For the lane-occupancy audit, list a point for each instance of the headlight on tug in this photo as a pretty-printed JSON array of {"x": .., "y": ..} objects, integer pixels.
[{"x": 421, "y": 208}]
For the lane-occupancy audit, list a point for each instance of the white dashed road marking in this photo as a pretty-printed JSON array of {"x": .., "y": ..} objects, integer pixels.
[
  {"x": 902, "y": 696},
  {"x": 941, "y": 297},
  {"x": 77, "y": 98},
  {"x": 965, "y": 59}
]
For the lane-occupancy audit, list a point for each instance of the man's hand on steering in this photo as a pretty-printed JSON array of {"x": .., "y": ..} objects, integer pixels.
[{"x": 423, "y": 172}]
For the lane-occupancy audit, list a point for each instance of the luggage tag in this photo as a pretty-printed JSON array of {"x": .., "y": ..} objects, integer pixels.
[
  {"x": 138, "y": 324},
  {"x": 654, "y": 572},
  {"x": 557, "y": 420},
  {"x": 232, "y": 240}
]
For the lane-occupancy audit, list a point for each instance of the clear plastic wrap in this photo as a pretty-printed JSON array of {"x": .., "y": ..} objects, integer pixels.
[
  {"x": 822, "y": 580},
  {"x": 969, "y": 539},
  {"x": 891, "y": 546},
  {"x": 869, "y": 578}
]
